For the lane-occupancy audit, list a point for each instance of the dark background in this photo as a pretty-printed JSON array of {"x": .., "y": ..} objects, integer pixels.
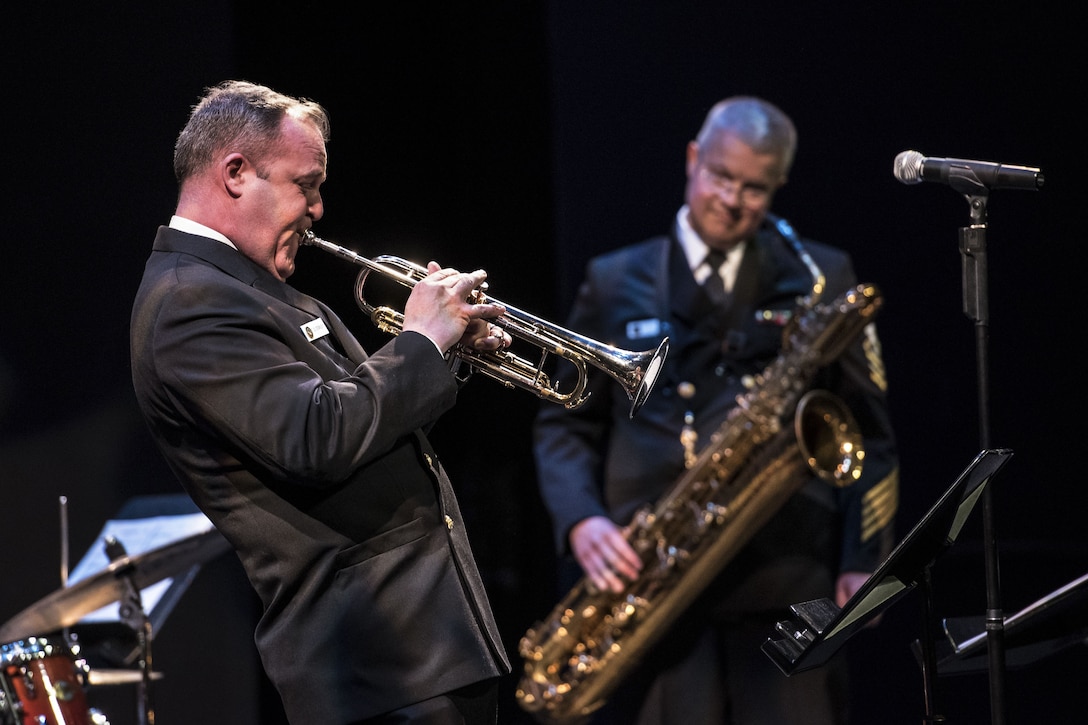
[{"x": 523, "y": 137}]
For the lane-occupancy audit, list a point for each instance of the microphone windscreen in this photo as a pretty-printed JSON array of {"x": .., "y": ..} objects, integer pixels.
[{"x": 908, "y": 167}]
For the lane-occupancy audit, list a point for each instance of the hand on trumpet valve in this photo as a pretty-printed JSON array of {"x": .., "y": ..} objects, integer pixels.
[
  {"x": 442, "y": 306},
  {"x": 495, "y": 339}
]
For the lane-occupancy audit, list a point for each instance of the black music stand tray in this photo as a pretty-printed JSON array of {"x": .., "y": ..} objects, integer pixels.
[
  {"x": 821, "y": 627},
  {"x": 1045, "y": 627}
]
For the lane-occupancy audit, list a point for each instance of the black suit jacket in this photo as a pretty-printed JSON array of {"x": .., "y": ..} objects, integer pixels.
[
  {"x": 308, "y": 455},
  {"x": 596, "y": 460}
]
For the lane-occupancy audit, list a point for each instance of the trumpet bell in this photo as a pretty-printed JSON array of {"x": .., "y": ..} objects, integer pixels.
[{"x": 649, "y": 368}]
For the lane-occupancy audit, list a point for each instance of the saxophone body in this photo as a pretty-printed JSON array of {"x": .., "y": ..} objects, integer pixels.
[{"x": 779, "y": 432}]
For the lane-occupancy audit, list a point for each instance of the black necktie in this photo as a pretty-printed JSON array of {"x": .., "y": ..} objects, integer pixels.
[{"x": 713, "y": 284}]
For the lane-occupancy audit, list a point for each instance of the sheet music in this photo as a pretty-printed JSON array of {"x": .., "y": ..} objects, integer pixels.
[{"x": 138, "y": 536}]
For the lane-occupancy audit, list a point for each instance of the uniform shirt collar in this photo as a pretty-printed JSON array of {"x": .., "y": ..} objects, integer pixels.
[
  {"x": 695, "y": 249},
  {"x": 188, "y": 225}
]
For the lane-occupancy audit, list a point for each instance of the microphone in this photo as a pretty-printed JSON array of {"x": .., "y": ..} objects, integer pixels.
[{"x": 963, "y": 175}]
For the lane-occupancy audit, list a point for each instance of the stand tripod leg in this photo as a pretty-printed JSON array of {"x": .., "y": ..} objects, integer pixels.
[
  {"x": 145, "y": 713},
  {"x": 131, "y": 612},
  {"x": 929, "y": 655}
]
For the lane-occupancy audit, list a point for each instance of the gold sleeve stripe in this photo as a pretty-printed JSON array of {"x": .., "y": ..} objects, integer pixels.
[
  {"x": 879, "y": 505},
  {"x": 871, "y": 345}
]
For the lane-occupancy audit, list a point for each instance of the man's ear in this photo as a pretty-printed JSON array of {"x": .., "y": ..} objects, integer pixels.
[
  {"x": 691, "y": 159},
  {"x": 233, "y": 173}
]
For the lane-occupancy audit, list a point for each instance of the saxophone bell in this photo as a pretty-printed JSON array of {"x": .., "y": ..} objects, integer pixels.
[{"x": 828, "y": 438}]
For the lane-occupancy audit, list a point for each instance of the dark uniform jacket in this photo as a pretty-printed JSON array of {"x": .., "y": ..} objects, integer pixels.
[
  {"x": 596, "y": 460},
  {"x": 308, "y": 456}
]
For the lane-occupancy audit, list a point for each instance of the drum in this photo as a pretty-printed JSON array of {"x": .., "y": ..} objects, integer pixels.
[{"x": 41, "y": 683}]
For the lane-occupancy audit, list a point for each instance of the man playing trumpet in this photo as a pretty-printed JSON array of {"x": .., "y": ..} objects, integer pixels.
[{"x": 307, "y": 453}]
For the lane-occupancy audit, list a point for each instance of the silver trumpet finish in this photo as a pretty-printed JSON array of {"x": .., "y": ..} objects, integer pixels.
[{"x": 636, "y": 372}]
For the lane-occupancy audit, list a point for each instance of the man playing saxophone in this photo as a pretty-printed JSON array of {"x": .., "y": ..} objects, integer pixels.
[{"x": 723, "y": 284}]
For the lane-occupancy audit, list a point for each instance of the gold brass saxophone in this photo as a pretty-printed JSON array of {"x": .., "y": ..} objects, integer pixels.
[{"x": 778, "y": 433}]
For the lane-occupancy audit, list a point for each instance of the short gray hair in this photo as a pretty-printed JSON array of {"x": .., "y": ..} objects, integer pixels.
[
  {"x": 242, "y": 116},
  {"x": 758, "y": 123}
]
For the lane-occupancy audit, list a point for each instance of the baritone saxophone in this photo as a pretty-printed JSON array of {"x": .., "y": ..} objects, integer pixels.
[{"x": 779, "y": 433}]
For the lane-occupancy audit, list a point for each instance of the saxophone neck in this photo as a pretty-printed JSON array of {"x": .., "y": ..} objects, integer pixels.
[{"x": 788, "y": 233}]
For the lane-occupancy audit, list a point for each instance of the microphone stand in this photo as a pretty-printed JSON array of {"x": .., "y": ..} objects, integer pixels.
[
  {"x": 132, "y": 612},
  {"x": 976, "y": 306}
]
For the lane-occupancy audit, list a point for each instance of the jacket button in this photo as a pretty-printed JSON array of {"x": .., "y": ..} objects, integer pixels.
[{"x": 449, "y": 522}]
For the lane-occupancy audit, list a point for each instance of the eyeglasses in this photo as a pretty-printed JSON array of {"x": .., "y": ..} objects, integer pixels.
[{"x": 751, "y": 196}]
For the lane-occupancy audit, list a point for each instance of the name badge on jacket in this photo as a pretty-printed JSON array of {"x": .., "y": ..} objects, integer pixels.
[
  {"x": 639, "y": 329},
  {"x": 314, "y": 329}
]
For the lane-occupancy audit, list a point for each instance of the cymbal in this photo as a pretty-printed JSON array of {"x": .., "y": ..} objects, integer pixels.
[{"x": 68, "y": 605}]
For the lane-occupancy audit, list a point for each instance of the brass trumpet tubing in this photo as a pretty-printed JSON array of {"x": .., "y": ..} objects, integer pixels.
[
  {"x": 635, "y": 371},
  {"x": 510, "y": 370}
]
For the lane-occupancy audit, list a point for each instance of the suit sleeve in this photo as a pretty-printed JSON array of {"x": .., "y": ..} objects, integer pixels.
[
  {"x": 568, "y": 445},
  {"x": 225, "y": 351},
  {"x": 867, "y": 507}
]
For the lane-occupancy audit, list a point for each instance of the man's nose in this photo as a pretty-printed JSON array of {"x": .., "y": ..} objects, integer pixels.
[{"x": 729, "y": 193}]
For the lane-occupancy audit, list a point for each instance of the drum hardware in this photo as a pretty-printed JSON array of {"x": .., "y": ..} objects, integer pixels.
[
  {"x": 99, "y": 676},
  {"x": 40, "y": 680},
  {"x": 132, "y": 613},
  {"x": 65, "y": 607}
]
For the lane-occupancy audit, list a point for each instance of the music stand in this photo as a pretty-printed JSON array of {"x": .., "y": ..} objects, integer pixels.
[
  {"x": 1045, "y": 627},
  {"x": 143, "y": 523},
  {"x": 821, "y": 627}
]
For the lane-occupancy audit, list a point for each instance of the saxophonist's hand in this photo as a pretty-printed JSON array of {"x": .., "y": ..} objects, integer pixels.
[
  {"x": 604, "y": 554},
  {"x": 847, "y": 585}
]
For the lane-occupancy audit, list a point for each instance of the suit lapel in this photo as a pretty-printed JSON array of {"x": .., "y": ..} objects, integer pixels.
[
  {"x": 688, "y": 301},
  {"x": 341, "y": 343},
  {"x": 746, "y": 288},
  {"x": 343, "y": 335}
]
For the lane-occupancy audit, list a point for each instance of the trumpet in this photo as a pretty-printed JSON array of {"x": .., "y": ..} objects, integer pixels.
[{"x": 636, "y": 372}]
